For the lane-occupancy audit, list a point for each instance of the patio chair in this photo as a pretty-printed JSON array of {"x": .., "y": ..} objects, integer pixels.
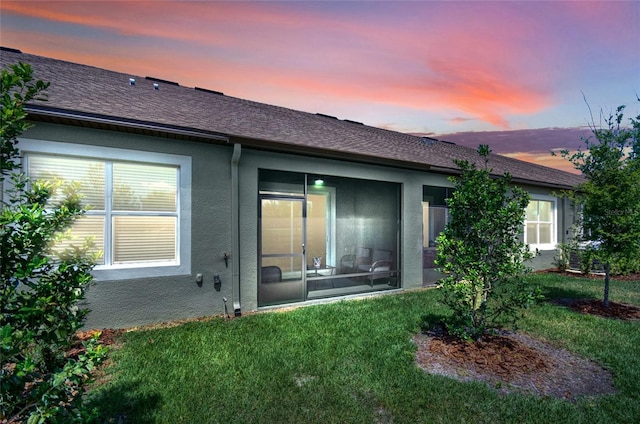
[
  {"x": 382, "y": 260},
  {"x": 270, "y": 274},
  {"x": 351, "y": 263}
]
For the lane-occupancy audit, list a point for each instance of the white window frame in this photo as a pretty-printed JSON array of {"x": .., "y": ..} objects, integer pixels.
[
  {"x": 127, "y": 271},
  {"x": 554, "y": 223}
]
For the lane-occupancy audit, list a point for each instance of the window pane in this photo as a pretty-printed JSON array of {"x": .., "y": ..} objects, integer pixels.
[
  {"x": 436, "y": 196},
  {"x": 144, "y": 239},
  {"x": 281, "y": 227},
  {"x": 545, "y": 233},
  {"x": 532, "y": 211},
  {"x": 87, "y": 231},
  {"x": 144, "y": 187},
  {"x": 532, "y": 236},
  {"x": 437, "y": 222},
  {"x": 545, "y": 211},
  {"x": 87, "y": 174}
]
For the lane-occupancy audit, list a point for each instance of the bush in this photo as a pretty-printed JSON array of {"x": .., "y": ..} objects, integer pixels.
[
  {"x": 40, "y": 289},
  {"x": 481, "y": 250},
  {"x": 586, "y": 260},
  {"x": 625, "y": 266},
  {"x": 562, "y": 259}
]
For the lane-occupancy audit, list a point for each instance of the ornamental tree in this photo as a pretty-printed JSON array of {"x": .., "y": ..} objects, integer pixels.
[
  {"x": 39, "y": 288},
  {"x": 482, "y": 251},
  {"x": 610, "y": 196}
]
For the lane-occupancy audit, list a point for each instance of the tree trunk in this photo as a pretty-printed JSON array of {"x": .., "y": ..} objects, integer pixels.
[{"x": 606, "y": 284}]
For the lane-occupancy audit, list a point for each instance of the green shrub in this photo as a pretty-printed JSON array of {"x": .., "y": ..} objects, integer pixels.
[
  {"x": 589, "y": 262},
  {"x": 39, "y": 291},
  {"x": 625, "y": 266},
  {"x": 481, "y": 251},
  {"x": 562, "y": 259}
]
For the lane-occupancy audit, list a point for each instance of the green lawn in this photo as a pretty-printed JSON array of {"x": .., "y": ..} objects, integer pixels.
[{"x": 352, "y": 362}]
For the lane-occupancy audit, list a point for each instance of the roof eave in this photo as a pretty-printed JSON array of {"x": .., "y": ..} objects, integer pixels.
[
  {"x": 66, "y": 116},
  {"x": 284, "y": 147},
  {"x": 536, "y": 183},
  {"x": 46, "y": 114},
  {"x": 517, "y": 180}
]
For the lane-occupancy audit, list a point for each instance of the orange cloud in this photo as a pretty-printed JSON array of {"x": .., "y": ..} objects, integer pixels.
[
  {"x": 203, "y": 22},
  {"x": 544, "y": 159},
  {"x": 75, "y": 13}
]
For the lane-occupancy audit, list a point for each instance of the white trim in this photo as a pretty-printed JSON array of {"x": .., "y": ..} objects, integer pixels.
[
  {"x": 118, "y": 272},
  {"x": 554, "y": 223},
  {"x": 330, "y": 192}
]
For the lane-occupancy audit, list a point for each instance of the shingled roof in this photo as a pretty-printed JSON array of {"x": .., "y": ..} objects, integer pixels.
[{"x": 90, "y": 96}]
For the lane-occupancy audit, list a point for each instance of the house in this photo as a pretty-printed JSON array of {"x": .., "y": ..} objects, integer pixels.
[{"x": 203, "y": 203}]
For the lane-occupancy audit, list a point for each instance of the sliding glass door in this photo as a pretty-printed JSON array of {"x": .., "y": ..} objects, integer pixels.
[{"x": 282, "y": 254}]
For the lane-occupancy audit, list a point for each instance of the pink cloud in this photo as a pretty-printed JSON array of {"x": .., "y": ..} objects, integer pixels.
[{"x": 441, "y": 68}]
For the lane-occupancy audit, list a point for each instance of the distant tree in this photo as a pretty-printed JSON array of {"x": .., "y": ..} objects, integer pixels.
[
  {"x": 482, "y": 251},
  {"x": 610, "y": 196}
]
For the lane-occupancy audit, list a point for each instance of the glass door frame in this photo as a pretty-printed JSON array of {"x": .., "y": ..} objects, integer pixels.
[{"x": 301, "y": 254}]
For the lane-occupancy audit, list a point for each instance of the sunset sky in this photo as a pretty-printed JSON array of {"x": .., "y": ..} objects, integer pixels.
[{"x": 514, "y": 75}]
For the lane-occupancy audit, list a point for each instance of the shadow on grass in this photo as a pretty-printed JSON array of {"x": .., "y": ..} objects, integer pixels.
[
  {"x": 559, "y": 295},
  {"x": 124, "y": 403},
  {"x": 432, "y": 323}
]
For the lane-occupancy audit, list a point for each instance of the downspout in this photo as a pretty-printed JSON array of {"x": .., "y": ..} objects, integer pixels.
[{"x": 235, "y": 231}]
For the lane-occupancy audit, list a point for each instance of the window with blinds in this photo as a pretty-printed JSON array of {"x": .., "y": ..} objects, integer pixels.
[{"x": 133, "y": 208}]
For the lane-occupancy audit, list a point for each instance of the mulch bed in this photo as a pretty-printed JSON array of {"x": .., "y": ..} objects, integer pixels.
[
  {"x": 614, "y": 310},
  {"x": 108, "y": 337},
  {"x": 596, "y": 307},
  {"x": 496, "y": 354},
  {"x": 513, "y": 362}
]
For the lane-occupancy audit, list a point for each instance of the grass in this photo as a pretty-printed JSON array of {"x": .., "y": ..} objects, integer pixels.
[{"x": 353, "y": 362}]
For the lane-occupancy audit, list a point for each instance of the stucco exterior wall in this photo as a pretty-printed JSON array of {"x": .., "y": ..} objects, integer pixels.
[
  {"x": 139, "y": 301},
  {"x": 134, "y": 302}
]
